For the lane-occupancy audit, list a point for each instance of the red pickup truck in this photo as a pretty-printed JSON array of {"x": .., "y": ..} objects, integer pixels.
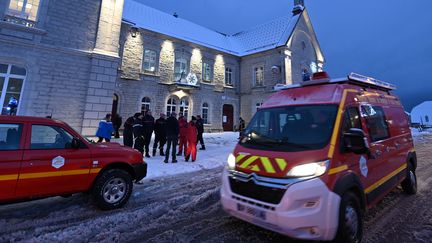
[{"x": 41, "y": 157}]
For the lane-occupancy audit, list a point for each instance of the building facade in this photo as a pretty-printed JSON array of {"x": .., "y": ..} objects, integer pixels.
[
  {"x": 60, "y": 58},
  {"x": 78, "y": 60}
]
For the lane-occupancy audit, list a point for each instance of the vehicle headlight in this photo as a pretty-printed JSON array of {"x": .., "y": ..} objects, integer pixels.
[
  {"x": 309, "y": 170},
  {"x": 231, "y": 161}
]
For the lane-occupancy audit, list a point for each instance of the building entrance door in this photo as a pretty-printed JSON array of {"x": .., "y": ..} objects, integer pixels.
[
  {"x": 228, "y": 118},
  {"x": 114, "y": 108}
]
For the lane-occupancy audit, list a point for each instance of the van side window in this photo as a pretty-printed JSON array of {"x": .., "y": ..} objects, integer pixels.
[
  {"x": 376, "y": 123},
  {"x": 352, "y": 119},
  {"x": 10, "y": 136}
]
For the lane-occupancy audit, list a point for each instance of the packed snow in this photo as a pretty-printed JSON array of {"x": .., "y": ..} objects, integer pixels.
[{"x": 218, "y": 147}]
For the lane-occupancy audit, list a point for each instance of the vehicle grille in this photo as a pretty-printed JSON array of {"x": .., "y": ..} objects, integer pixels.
[{"x": 261, "y": 193}]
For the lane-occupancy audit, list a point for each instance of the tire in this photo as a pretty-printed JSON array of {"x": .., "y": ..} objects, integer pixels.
[
  {"x": 112, "y": 189},
  {"x": 409, "y": 185},
  {"x": 350, "y": 227}
]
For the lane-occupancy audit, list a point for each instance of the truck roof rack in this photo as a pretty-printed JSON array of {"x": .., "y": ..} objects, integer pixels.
[{"x": 354, "y": 78}]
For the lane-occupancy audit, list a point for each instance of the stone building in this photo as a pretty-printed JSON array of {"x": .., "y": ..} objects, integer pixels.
[
  {"x": 60, "y": 58},
  {"x": 69, "y": 59},
  {"x": 171, "y": 64}
]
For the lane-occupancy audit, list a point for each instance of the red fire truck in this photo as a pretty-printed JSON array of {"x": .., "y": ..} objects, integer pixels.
[
  {"x": 317, "y": 155},
  {"x": 41, "y": 157}
]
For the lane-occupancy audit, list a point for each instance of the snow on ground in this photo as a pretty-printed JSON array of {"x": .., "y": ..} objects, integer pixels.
[
  {"x": 416, "y": 132},
  {"x": 218, "y": 146}
]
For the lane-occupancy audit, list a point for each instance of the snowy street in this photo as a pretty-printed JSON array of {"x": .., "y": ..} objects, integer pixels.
[{"x": 174, "y": 207}]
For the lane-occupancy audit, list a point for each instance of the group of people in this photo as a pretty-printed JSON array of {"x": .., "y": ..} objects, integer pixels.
[{"x": 139, "y": 128}]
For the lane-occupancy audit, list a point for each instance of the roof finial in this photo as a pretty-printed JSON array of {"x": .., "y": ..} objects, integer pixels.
[{"x": 298, "y": 7}]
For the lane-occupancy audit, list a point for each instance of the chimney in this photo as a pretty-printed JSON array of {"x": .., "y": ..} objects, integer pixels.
[
  {"x": 175, "y": 14},
  {"x": 298, "y": 7}
]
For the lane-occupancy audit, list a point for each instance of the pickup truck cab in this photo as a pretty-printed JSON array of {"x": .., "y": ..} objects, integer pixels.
[
  {"x": 42, "y": 157},
  {"x": 317, "y": 155}
]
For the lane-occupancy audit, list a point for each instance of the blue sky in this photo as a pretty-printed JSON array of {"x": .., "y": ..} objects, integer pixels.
[{"x": 387, "y": 39}]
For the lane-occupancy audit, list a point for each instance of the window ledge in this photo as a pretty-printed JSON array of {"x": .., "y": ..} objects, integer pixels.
[
  {"x": 229, "y": 87},
  {"x": 150, "y": 74},
  {"x": 13, "y": 26},
  {"x": 259, "y": 87},
  {"x": 208, "y": 83}
]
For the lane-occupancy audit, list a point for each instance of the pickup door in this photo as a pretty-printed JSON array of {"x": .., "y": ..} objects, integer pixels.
[
  {"x": 11, "y": 145},
  {"x": 50, "y": 166}
]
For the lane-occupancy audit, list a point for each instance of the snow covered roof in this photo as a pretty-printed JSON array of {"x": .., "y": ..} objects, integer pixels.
[
  {"x": 260, "y": 38},
  {"x": 424, "y": 107}
]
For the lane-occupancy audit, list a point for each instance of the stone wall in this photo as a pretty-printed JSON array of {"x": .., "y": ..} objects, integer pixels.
[
  {"x": 133, "y": 83},
  {"x": 251, "y": 94},
  {"x": 66, "y": 77}
]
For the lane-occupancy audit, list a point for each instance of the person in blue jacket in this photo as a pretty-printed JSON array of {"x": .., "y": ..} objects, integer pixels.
[
  {"x": 12, "y": 106},
  {"x": 105, "y": 129}
]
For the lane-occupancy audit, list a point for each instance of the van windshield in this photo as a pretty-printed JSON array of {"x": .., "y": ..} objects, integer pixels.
[{"x": 291, "y": 128}]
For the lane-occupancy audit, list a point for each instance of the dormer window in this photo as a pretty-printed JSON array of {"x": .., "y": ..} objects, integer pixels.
[{"x": 23, "y": 12}]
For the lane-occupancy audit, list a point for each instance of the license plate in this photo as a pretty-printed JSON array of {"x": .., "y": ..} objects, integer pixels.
[{"x": 259, "y": 214}]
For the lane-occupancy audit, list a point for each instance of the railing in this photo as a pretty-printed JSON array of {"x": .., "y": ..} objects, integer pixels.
[{"x": 20, "y": 21}]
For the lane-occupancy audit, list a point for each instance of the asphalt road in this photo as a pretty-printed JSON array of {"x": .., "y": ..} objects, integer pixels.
[{"x": 186, "y": 208}]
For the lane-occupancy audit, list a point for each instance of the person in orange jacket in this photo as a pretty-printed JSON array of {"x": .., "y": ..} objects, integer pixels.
[
  {"x": 182, "y": 140},
  {"x": 191, "y": 135}
]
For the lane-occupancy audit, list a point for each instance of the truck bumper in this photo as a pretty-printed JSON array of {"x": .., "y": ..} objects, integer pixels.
[
  {"x": 308, "y": 210},
  {"x": 140, "y": 171}
]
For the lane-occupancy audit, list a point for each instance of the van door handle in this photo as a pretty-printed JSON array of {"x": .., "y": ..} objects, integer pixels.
[{"x": 378, "y": 152}]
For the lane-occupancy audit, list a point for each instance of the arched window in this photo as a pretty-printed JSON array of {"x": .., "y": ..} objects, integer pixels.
[
  {"x": 145, "y": 104},
  {"x": 184, "y": 107},
  {"x": 205, "y": 113},
  {"x": 171, "y": 106},
  {"x": 258, "y": 105},
  {"x": 11, "y": 83}
]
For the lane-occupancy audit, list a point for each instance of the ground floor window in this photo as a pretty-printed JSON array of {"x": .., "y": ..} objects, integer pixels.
[
  {"x": 171, "y": 106},
  {"x": 205, "y": 113},
  {"x": 11, "y": 83},
  {"x": 258, "y": 106},
  {"x": 184, "y": 107},
  {"x": 174, "y": 105},
  {"x": 145, "y": 104}
]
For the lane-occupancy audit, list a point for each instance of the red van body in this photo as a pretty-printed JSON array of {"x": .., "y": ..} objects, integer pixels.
[
  {"x": 41, "y": 157},
  {"x": 317, "y": 155}
]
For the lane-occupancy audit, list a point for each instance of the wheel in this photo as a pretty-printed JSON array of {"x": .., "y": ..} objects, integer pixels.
[
  {"x": 409, "y": 185},
  {"x": 112, "y": 189},
  {"x": 350, "y": 227}
]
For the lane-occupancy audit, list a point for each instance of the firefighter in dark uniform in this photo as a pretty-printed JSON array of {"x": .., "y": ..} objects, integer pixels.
[
  {"x": 128, "y": 130},
  {"x": 160, "y": 135},
  {"x": 172, "y": 132},
  {"x": 200, "y": 128},
  {"x": 148, "y": 127},
  {"x": 138, "y": 133}
]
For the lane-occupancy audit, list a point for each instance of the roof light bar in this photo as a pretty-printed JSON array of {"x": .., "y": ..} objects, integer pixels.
[
  {"x": 323, "y": 78},
  {"x": 372, "y": 81}
]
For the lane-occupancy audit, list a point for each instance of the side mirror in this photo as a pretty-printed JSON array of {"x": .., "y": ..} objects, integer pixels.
[
  {"x": 76, "y": 143},
  {"x": 355, "y": 141}
]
